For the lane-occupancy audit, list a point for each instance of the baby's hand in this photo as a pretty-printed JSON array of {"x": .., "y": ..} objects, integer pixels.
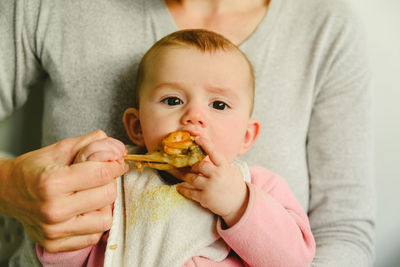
[
  {"x": 216, "y": 184},
  {"x": 107, "y": 149}
]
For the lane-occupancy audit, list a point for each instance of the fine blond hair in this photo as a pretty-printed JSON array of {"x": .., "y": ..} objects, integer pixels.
[{"x": 204, "y": 40}]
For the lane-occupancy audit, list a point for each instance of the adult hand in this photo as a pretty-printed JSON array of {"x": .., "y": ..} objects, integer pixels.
[{"x": 62, "y": 206}]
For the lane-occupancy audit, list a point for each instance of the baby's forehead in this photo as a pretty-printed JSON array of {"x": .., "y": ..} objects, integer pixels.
[
  {"x": 226, "y": 57},
  {"x": 211, "y": 62}
]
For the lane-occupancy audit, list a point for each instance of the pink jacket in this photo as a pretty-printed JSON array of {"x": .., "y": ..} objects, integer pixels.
[{"x": 273, "y": 231}]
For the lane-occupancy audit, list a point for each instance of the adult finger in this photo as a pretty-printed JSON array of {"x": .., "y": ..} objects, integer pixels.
[
  {"x": 70, "y": 243},
  {"x": 210, "y": 150},
  {"x": 88, "y": 200},
  {"x": 84, "y": 224},
  {"x": 90, "y": 174},
  {"x": 64, "y": 208}
]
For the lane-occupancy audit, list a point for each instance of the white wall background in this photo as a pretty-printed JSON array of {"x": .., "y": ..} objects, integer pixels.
[
  {"x": 20, "y": 133},
  {"x": 382, "y": 23}
]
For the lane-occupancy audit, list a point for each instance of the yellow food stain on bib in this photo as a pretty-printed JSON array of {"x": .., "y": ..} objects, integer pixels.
[{"x": 155, "y": 204}]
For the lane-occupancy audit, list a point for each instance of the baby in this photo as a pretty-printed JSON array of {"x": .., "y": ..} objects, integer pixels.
[{"x": 223, "y": 213}]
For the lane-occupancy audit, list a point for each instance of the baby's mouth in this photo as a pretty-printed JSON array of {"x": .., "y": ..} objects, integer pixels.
[{"x": 193, "y": 132}]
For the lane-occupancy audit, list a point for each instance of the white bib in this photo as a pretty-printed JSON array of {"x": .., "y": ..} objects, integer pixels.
[{"x": 154, "y": 225}]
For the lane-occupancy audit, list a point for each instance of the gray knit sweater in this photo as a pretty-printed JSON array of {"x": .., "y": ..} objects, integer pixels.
[{"x": 312, "y": 96}]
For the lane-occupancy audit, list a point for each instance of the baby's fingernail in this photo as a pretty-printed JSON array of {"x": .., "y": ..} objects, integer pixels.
[{"x": 126, "y": 165}]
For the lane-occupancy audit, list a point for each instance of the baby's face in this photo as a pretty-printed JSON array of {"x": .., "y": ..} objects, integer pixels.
[{"x": 205, "y": 94}]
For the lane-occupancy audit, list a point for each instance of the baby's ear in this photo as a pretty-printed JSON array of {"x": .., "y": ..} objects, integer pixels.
[
  {"x": 133, "y": 127},
  {"x": 252, "y": 132}
]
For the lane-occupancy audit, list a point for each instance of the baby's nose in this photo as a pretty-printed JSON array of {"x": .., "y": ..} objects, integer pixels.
[{"x": 194, "y": 116}]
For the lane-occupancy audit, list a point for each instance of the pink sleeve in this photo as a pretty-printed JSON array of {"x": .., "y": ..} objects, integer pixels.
[
  {"x": 274, "y": 230},
  {"x": 70, "y": 258},
  {"x": 90, "y": 256}
]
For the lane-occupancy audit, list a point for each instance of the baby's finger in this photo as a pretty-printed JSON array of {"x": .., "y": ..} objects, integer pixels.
[
  {"x": 110, "y": 145},
  {"x": 190, "y": 193},
  {"x": 72, "y": 146},
  {"x": 210, "y": 150},
  {"x": 195, "y": 180},
  {"x": 205, "y": 167},
  {"x": 119, "y": 145},
  {"x": 106, "y": 156}
]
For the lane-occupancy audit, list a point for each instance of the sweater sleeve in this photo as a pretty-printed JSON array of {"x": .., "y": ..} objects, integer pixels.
[
  {"x": 20, "y": 67},
  {"x": 274, "y": 230},
  {"x": 339, "y": 149}
]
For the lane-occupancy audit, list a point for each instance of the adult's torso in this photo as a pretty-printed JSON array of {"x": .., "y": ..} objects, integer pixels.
[{"x": 91, "y": 49}]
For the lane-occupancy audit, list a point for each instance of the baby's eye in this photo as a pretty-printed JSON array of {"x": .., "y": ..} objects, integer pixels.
[
  {"x": 219, "y": 105},
  {"x": 172, "y": 101}
]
